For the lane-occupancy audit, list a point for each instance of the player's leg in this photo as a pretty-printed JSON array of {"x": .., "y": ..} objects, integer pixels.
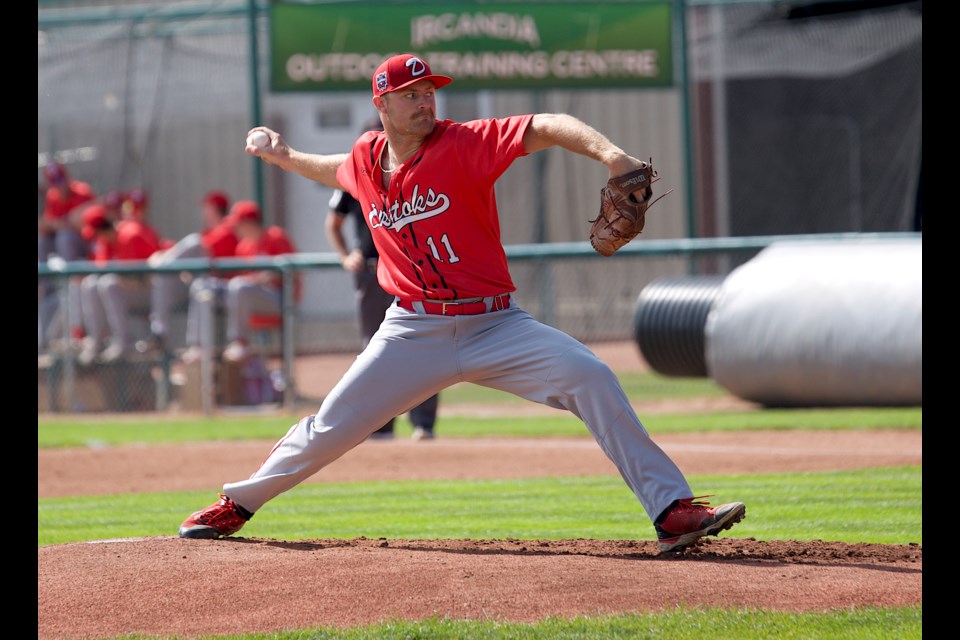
[
  {"x": 205, "y": 295},
  {"x": 168, "y": 290},
  {"x": 93, "y": 319},
  {"x": 70, "y": 245},
  {"x": 424, "y": 418},
  {"x": 545, "y": 365},
  {"x": 372, "y": 303},
  {"x": 48, "y": 303},
  {"x": 121, "y": 295},
  {"x": 410, "y": 359},
  {"x": 244, "y": 298}
]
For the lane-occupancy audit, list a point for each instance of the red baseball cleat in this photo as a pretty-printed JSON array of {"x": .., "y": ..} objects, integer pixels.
[
  {"x": 692, "y": 518},
  {"x": 222, "y": 518}
]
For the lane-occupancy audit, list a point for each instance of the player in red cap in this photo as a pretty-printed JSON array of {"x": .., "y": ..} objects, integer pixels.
[
  {"x": 253, "y": 292},
  {"x": 109, "y": 298},
  {"x": 242, "y": 293},
  {"x": 59, "y": 230},
  {"x": 58, "y": 233},
  {"x": 427, "y": 187},
  {"x": 371, "y": 300},
  {"x": 215, "y": 239}
]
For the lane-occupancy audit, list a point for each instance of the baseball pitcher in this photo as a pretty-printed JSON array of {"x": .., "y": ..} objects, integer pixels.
[{"x": 427, "y": 189}]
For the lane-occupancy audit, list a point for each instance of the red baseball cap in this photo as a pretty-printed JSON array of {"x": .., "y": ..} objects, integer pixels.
[
  {"x": 244, "y": 210},
  {"x": 55, "y": 173},
  {"x": 114, "y": 199},
  {"x": 138, "y": 197},
  {"x": 218, "y": 199},
  {"x": 401, "y": 71},
  {"x": 94, "y": 220}
]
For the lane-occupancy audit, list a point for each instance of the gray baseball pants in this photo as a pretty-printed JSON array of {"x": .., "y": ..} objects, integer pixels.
[
  {"x": 372, "y": 306},
  {"x": 240, "y": 297},
  {"x": 169, "y": 290},
  {"x": 414, "y": 356},
  {"x": 108, "y": 299},
  {"x": 69, "y": 245}
]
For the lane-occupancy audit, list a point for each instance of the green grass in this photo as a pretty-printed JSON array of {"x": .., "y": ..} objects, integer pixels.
[
  {"x": 639, "y": 387},
  {"x": 80, "y": 432},
  {"x": 894, "y": 623},
  {"x": 881, "y": 505},
  {"x": 872, "y": 505}
]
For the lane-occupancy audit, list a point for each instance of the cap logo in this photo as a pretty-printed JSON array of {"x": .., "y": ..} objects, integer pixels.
[
  {"x": 381, "y": 81},
  {"x": 417, "y": 68}
]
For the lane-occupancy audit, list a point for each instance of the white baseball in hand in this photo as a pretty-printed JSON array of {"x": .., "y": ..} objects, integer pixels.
[{"x": 258, "y": 139}]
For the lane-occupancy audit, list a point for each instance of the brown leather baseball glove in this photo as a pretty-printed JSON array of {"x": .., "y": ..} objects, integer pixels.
[{"x": 622, "y": 214}]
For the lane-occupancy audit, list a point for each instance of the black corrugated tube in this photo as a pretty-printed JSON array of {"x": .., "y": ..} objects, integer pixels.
[{"x": 669, "y": 322}]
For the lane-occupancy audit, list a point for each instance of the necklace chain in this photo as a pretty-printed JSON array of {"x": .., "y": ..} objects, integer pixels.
[{"x": 380, "y": 158}]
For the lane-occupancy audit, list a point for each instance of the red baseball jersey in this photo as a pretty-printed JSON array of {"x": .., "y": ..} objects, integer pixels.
[
  {"x": 56, "y": 206},
  {"x": 134, "y": 241},
  {"x": 437, "y": 228},
  {"x": 273, "y": 242},
  {"x": 220, "y": 241}
]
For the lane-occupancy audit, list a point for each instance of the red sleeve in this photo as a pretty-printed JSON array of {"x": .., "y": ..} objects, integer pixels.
[
  {"x": 494, "y": 144},
  {"x": 101, "y": 252},
  {"x": 56, "y": 207},
  {"x": 221, "y": 241},
  {"x": 81, "y": 191},
  {"x": 276, "y": 242},
  {"x": 53, "y": 204},
  {"x": 247, "y": 248},
  {"x": 135, "y": 241}
]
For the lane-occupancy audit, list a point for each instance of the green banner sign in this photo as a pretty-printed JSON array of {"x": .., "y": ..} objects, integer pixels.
[{"x": 336, "y": 46}]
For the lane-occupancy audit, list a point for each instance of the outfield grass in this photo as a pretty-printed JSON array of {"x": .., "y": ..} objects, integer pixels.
[
  {"x": 80, "y": 432},
  {"x": 639, "y": 387},
  {"x": 871, "y": 505},
  {"x": 900, "y": 623},
  {"x": 883, "y": 505}
]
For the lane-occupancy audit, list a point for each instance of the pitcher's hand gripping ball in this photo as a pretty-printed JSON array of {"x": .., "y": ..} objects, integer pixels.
[{"x": 622, "y": 213}]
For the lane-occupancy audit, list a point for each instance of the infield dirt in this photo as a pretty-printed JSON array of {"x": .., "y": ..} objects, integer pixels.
[{"x": 166, "y": 586}]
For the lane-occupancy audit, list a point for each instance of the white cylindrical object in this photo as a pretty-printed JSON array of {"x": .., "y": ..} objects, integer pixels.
[{"x": 835, "y": 323}]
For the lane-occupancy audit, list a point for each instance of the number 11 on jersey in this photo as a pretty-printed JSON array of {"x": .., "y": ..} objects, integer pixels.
[{"x": 452, "y": 257}]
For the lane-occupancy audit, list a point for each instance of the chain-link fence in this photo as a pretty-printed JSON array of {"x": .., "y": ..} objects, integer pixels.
[{"x": 550, "y": 284}]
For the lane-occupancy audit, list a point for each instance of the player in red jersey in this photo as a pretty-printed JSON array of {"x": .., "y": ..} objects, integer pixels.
[
  {"x": 215, "y": 239},
  {"x": 108, "y": 298},
  {"x": 427, "y": 187},
  {"x": 58, "y": 234},
  {"x": 252, "y": 292}
]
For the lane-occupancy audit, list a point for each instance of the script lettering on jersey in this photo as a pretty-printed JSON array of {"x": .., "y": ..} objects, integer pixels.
[{"x": 417, "y": 207}]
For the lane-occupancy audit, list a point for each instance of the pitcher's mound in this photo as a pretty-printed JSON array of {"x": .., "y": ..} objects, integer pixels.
[{"x": 168, "y": 586}]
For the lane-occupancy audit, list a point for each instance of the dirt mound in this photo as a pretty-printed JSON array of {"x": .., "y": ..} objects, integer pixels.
[{"x": 169, "y": 586}]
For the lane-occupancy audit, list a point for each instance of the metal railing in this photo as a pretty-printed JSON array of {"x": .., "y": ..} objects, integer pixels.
[{"x": 288, "y": 265}]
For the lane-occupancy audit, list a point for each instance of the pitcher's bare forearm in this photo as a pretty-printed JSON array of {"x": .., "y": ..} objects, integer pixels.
[
  {"x": 568, "y": 132},
  {"x": 319, "y": 168}
]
